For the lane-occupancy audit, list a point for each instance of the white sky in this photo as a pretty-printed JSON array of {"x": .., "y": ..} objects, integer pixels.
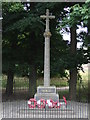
[{"x": 66, "y": 36}]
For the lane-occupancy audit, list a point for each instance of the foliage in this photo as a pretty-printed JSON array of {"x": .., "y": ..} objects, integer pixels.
[
  {"x": 79, "y": 14},
  {"x": 26, "y": 28},
  {"x": 23, "y": 40}
]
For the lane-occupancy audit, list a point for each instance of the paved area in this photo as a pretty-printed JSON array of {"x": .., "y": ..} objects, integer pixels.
[
  {"x": 62, "y": 88},
  {"x": 19, "y": 109}
]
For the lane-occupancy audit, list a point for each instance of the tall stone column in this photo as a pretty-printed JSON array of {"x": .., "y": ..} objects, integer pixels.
[
  {"x": 47, "y": 36},
  {"x": 47, "y": 59},
  {"x": 47, "y": 91}
]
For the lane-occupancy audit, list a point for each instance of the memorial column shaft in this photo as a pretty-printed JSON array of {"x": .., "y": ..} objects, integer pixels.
[
  {"x": 47, "y": 92},
  {"x": 47, "y": 36},
  {"x": 47, "y": 62}
]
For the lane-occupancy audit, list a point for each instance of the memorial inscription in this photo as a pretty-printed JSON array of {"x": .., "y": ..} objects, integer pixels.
[{"x": 41, "y": 89}]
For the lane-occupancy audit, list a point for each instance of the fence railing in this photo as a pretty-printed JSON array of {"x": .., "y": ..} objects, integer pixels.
[{"x": 20, "y": 109}]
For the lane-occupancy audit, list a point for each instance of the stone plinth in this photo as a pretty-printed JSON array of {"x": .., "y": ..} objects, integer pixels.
[{"x": 46, "y": 93}]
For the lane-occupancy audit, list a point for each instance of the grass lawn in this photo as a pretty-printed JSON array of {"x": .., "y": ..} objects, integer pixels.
[
  {"x": 24, "y": 82},
  {"x": 82, "y": 95},
  {"x": 82, "y": 89},
  {"x": 58, "y": 82}
]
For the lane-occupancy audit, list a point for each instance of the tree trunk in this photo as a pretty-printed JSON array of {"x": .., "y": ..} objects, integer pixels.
[
  {"x": 32, "y": 81},
  {"x": 73, "y": 71},
  {"x": 72, "y": 84},
  {"x": 10, "y": 76},
  {"x": 89, "y": 64}
]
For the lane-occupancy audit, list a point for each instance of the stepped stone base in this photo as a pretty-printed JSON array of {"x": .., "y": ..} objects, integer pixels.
[{"x": 46, "y": 93}]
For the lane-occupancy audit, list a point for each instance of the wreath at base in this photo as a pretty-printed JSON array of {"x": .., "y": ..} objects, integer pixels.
[{"x": 32, "y": 103}]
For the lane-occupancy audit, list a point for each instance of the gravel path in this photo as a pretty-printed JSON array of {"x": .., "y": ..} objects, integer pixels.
[
  {"x": 19, "y": 109},
  {"x": 62, "y": 88}
]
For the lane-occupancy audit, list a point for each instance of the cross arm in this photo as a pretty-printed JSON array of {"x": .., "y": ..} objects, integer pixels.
[
  {"x": 51, "y": 17},
  {"x": 43, "y": 16}
]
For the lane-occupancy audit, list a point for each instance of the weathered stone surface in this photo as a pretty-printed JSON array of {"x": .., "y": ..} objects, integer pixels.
[
  {"x": 46, "y": 96},
  {"x": 42, "y": 89},
  {"x": 47, "y": 35},
  {"x": 46, "y": 93}
]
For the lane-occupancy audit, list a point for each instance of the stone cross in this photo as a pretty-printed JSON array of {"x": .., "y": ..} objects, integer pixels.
[{"x": 47, "y": 36}]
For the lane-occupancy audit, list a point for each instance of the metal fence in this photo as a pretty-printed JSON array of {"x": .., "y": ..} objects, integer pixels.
[
  {"x": 16, "y": 106},
  {"x": 20, "y": 109}
]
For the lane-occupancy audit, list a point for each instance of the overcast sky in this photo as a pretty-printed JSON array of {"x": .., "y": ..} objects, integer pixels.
[{"x": 66, "y": 36}]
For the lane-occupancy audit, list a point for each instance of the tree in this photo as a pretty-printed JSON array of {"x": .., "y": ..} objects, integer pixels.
[
  {"x": 9, "y": 45},
  {"x": 26, "y": 28},
  {"x": 73, "y": 71},
  {"x": 79, "y": 15},
  {"x": 24, "y": 25}
]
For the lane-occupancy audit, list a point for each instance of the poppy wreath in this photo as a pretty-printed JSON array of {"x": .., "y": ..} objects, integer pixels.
[
  {"x": 58, "y": 105},
  {"x": 50, "y": 103},
  {"x": 65, "y": 100},
  {"x": 32, "y": 100},
  {"x": 42, "y": 103}
]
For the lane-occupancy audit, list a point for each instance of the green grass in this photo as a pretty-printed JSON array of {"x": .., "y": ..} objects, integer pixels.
[
  {"x": 4, "y": 81},
  {"x": 58, "y": 82},
  {"x": 81, "y": 95},
  {"x": 64, "y": 93},
  {"x": 24, "y": 82},
  {"x": 82, "y": 89},
  {"x": 18, "y": 81}
]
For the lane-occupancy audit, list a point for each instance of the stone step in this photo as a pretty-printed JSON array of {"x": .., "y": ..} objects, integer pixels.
[
  {"x": 48, "y": 112},
  {"x": 46, "y": 96}
]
